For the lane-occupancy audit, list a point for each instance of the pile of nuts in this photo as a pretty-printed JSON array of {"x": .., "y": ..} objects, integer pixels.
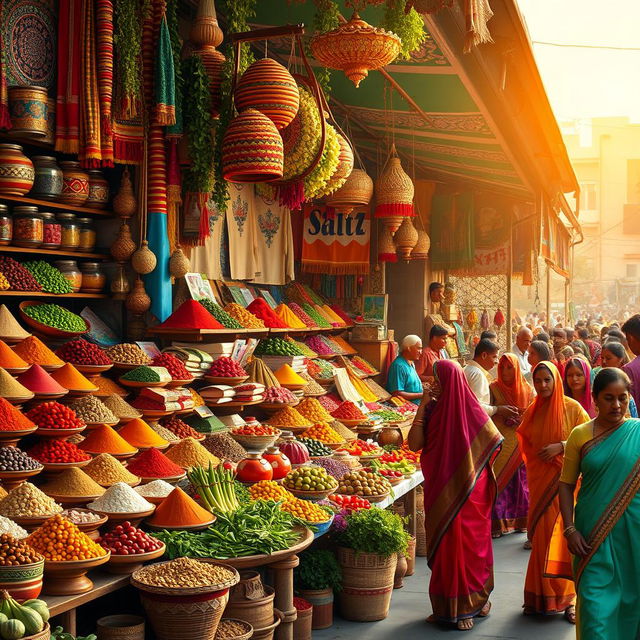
[
  {"x": 14, "y": 553},
  {"x": 14, "y": 459},
  {"x": 128, "y": 353},
  {"x": 92, "y": 410},
  {"x": 229, "y": 629},
  {"x": 27, "y": 501}
]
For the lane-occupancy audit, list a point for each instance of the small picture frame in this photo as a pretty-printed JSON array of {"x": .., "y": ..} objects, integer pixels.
[
  {"x": 199, "y": 287},
  {"x": 374, "y": 308}
]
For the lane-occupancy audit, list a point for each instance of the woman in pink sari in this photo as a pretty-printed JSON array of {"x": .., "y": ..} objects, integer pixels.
[{"x": 458, "y": 442}]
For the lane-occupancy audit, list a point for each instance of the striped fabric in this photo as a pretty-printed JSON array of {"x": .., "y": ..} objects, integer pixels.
[
  {"x": 104, "y": 47},
  {"x": 5, "y": 118}
]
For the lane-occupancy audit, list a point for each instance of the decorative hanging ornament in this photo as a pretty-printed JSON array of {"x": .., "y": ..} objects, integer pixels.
[
  {"x": 356, "y": 48},
  {"x": 206, "y": 35},
  {"x": 421, "y": 250},
  {"x": 386, "y": 248},
  {"x": 179, "y": 264},
  {"x": 124, "y": 202},
  {"x": 406, "y": 238},
  {"x": 144, "y": 260},
  {"x": 344, "y": 169},
  {"x": 472, "y": 319},
  {"x": 355, "y": 192},
  {"x": 252, "y": 149},
  {"x": 484, "y": 320},
  {"x": 123, "y": 246},
  {"x": 138, "y": 301},
  {"x": 394, "y": 193},
  {"x": 269, "y": 88},
  {"x": 499, "y": 319}
]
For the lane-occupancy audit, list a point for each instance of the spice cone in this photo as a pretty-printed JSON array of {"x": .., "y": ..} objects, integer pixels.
[
  {"x": 179, "y": 510},
  {"x": 11, "y": 388},
  {"x": 10, "y": 328}
]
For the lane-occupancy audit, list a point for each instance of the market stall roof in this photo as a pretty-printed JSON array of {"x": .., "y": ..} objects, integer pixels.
[{"x": 480, "y": 119}]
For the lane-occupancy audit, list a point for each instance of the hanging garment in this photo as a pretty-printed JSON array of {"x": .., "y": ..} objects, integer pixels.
[
  {"x": 206, "y": 259},
  {"x": 241, "y": 228}
]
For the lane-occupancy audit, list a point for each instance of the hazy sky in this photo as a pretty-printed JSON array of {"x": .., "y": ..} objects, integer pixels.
[{"x": 583, "y": 83}]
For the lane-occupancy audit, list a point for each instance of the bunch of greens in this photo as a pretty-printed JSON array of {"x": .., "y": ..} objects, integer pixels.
[
  {"x": 252, "y": 529},
  {"x": 375, "y": 531},
  {"x": 318, "y": 569},
  {"x": 215, "y": 487},
  {"x": 60, "y": 634},
  {"x": 407, "y": 25}
]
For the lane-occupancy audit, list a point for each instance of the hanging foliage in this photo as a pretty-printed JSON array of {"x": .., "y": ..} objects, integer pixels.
[
  {"x": 127, "y": 39},
  {"x": 325, "y": 18},
  {"x": 407, "y": 25}
]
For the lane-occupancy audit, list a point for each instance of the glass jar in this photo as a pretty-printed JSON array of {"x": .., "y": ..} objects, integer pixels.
[
  {"x": 27, "y": 227},
  {"x": 70, "y": 231},
  {"x": 52, "y": 231},
  {"x": 6, "y": 225},
  {"x": 87, "y": 234},
  {"x": 93, "y": 278},
  {"x": 69, "y": 269}
]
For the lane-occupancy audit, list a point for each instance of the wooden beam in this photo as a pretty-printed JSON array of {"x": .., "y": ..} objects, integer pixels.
[{"x": 256, "y": 35}]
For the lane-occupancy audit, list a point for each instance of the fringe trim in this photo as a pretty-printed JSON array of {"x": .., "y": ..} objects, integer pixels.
[
  {"x": 388, "y": 257},
  {"x": 165, "y": 115},
  {"x": 67, "y": 146},
  {"x": 395, "y": 209},
  {"x": 353, "y": 268},
  {"x": 107, "y": 128},
  {"x": 130, "y": 108},
  {"x": 5, "y": 118},
  {"x": 126, "y": 152}
]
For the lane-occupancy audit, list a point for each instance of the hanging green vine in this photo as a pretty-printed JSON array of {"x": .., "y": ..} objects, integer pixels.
[
  {"x": 409, "y": 27},
  {"x": 127, "y": 39},
  {"x": 325, "y": 18},
  {"x": 198, "y": 125},
  {"x": 176, "y": 47}
]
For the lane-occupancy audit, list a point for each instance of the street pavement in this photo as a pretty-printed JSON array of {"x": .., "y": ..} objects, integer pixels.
[{"x": 410, "y": 607}]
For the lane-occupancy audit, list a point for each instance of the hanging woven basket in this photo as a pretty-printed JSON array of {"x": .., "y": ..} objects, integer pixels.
[
  {"x": 356, "y": 48},
  {"x": 386, "y": 248},
  {"x": 406, "y": 238},
  {"x": 252, "y": 149},
  {"x": 270, "y": 89},
  {"x": 394, "y": 192},
  {"x": 144, "y": 260},
  {"x": 344, "y": 168},
  {"x": 421, "y": 250},
  {"x": 138, "y": 301},
  {"x": 355, "y": 192},
  {"x": 179, "y": 264}
]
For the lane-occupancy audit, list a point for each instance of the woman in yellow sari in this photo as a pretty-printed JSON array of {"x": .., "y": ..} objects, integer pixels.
[{"x": 545, "y": 427}]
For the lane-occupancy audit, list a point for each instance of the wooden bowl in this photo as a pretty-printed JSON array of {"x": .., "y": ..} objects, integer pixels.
[
  {"x": 126, "y": 366},
  {"x": 349, "y": 423},
  {"x": 57, "y": 467},
  {"x": 11, "y": 438},
  {"x": 132, "y": 384},
  {"x": 124, "y": 565},
  {"x": 81, "y": 393},
  {"x": 95, "y": 425},
  {"x": 91, "y": 528},
  {"x": 69, "y": 501},
  {"x": 190, "y": 527},
  {"x": 11, "y": 340},
  {"x": 314, "y": 496},
  {"x": 16, "y": 371},
  {"x": 229, "y": 381},
  {"x": 45, "y": 397},
  {"x": 31, "y": 523},
  {"x": 374, "y": 499},
  {"x": 170, "y": 480},
  {"x": 44, "y": 329},
  {"x": 69, "y": 577},
  {"x": 134, "y": 518},
  {"x": 45, "y": 634},
  {"x": 24, "y": 581},
  {"x": 58, "y": 434},
  {"x": 90, "y": 370},
  {"x": 154, "y": 414},
  {"x": 255, "y": 443},
  {"x": 274, "y": 407},
  {"x": 294, "y": 387},
  {"x": 19, "y": 400},
  {"x": 13, "y": 479}
]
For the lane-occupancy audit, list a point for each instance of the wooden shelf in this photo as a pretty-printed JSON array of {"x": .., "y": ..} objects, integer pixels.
[
  {"x": 55, "y": 252},
  {"x": 26, "y": 141},
  {"x": 41, "y": 294},
  {"x": 60, "y": 206}
]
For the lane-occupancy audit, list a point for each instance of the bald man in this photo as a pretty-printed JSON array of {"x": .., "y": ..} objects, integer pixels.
[
  {"x": 403, "y": 379},
  {"x": 520, "y": 349}
]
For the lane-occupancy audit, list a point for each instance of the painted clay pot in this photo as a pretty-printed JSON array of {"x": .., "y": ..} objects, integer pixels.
[
  {"x": 28, "y": 107},
  {"x": 254, "y": 468},
  {"x": 47, "y": 184},
  {"x": 279, "y": 462},
  {"x": 75, "y": 184},
  {"x": 98, "y": 190},
  {"x": 16, "y": 171}
]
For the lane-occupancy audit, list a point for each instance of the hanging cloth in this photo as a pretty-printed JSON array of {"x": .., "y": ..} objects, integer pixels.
[
  {"x": 206, "y": 259},
  {"x": 241, "y": 229},
  {"x": 5, "y": 118},
  {"x": 104, "y": 50},
  {"x": 477, "y": 13},
  {"x": 164, "y": 78}
]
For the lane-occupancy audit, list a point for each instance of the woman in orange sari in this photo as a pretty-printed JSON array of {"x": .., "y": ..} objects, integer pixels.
[
  {"x": 545, "y": 427},
  {"x": 458, "y": 442},
  {"x": 512, "y": 504}
]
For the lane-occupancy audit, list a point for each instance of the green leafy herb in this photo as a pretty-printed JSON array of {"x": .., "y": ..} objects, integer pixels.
[
  {"x": 326, "y": 18},
  {"x": 409, "y": 27},
  {"x": 375, "y": 531},
  {"x": 318, "y": 569},
  {"x": 127, "y": 40}
]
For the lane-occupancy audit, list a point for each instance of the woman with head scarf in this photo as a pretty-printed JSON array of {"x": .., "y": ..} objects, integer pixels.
[
  {"x": 544, "y": 429},
  {"x": 458, "y": 442},
  {"x": 512, "y": 503},
  {"x": 577, "y": 383},
  {"x": 614, "y": 356}
]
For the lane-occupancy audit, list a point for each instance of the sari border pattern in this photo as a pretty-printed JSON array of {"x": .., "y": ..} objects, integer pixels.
[{"x": 548, "y": 496}]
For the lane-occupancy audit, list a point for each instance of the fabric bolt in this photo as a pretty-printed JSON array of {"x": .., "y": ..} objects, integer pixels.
[
  {"x": 402, "y": 376},
  {"x": 478, "y": 380},
  {"x": 104, "y": 56},
  {"x": 70, "y": 38},
  {"x": 241, "y": 229},
  {"x": 165, "y": 81},
  {"x": 274, "y": 243},
  {"x": 206, "y": 258}
]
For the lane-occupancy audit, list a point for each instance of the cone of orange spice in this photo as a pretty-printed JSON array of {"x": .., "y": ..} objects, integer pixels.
[
  {"x": 105, "y": 440},
  {"x": 59, "y": 540},
  {"x": 34, "y": 351},
  {"x": 70, "y": 378}
]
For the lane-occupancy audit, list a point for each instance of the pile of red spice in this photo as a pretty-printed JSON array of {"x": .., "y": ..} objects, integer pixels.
[
  {"x": 301, "y": 604},
  {"x": 79, "y": 351},
  {"x": 36, "y": 379},
  {"x": 338, "y": 310},
  {"x": 262, "y": 310},
  {"x": 152, "y": 463},
  {"x": 173, "y": 365},
  {"x": 11, "y": 419},
  {"x": 190, "y": 315},
  {"x": 180, "y": 428},
  {"x": 348, "y": 411},
  {"x": 225, "y": 367},
  {"x": 53, "y": 415},
  {"x": 52, "y": 451}
]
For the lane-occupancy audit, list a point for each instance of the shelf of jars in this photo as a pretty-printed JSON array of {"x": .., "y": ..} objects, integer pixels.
[
  {"x": 54, "y": 252},
  {"x": 58, "y": 206}
]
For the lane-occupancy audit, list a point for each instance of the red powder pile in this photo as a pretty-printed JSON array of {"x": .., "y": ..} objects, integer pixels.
[
  {"x": 190, "y": 315},
  {"x": 347, "y": 411},
  {"x": 36, "y": 379},
  {"x": 11, "y": 419},
  {"x": 152, "y": 463},
  {"x": 262, "y": 310}
]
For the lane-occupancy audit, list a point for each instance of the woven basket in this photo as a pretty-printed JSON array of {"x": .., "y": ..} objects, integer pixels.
[
  {"x": 421, "y": 250},
  {"x": 394, "y": 192},
  {"x": 270, "y": 89},
  {"x": 252, "y": 149},
  {"x": 356, "y": 191},
  {"x": 411, "y": 557},
  {"x": 386, "y": 248},
  {"x": 144, "y": 260},
  {"x": 406, "y": 238},
  {"x": 356, "y": 48},
  {"x": 258, "y": 612}
]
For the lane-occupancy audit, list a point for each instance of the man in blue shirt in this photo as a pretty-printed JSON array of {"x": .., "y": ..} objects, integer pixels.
[{"x": 403, "y": 379}]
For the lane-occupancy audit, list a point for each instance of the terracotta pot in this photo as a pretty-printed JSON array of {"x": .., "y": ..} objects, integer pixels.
[
  {"x": 47, "y": 184},
  {"x": 401, "y": 571},
  {"x": 322, "y": 601},
  {"x": 390, "y": 435},
  {"x": 98, "y": 190},
  {"x": 280, "y": 464},
  {"x": 75, "y": 184},
  {"x": 28, "y": 108},
  {"x": 16, "y": 171},
  {"x": 254, "y": 468}
]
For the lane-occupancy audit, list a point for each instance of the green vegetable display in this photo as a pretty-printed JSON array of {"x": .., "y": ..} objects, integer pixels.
[
  {"x": 318, "y": 569},
  {"x": 374, "y": 531},
  {"x": 387, "y": 415},
  {"x": 48, "y": 277},
  {"x": 53, "y": 315},
  {"x": 277, "y": 347},
  {"x": 309, "y": 479},
  {"x": 141, "y": 374},
  {"x": 220, "y": 314},
  {"x": 215, "y": 488},
  {"x": 320, "y": 320},
  {"x": 60, "y": 634},
  {"x": 316, "y": 448},
  {"x": 20, "y": 620},
  {"x": 255, "y": 528}
]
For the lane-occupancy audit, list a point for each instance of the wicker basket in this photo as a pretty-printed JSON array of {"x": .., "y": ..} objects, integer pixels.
[
  {"x": 356, "y": 191},
  {"x": 386, "y": 248},
  {"x": 257, "y": 612},
  {"x": 406, "y": 238},
  {"x": 421, "y": 250},
  {"x": 394, "y": 193},
  {"x": 322, "y": 601},
  {"x": 411, "y": 556},
  {"x": 120, "y": 627},
  {"x": 421, "y": 535}
]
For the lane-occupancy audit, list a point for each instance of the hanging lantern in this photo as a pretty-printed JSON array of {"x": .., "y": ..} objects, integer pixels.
[
  {"x": 123, "y": 246},
  {"x": 406, "y": 238},
  {"x": 252, "y": 149},
  {"x": 344, "y": 169},
  {"x": 206, "y": 35},
  {"x": 386, "y": 248},
  {"x": 355, "y": 192},
  {"x": 421, "y": 250},
  {"x": 138, "y": 301},
  {"x": 356, "y": 48},
  {"x": 124, "y": 202},
  {"x": 144, "y": 260},
  {"x": 179, "y": 264},
  {"x": 269, "y": 88},
  {"x": 394, "y": 193}
]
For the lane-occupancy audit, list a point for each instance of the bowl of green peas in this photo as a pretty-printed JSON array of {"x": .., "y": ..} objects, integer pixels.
[{"x": 52, "y": 320}]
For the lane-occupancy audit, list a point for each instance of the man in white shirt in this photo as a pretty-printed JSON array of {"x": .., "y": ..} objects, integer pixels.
[
  {"x": 476, "y": 372},
  {"x": 520, "y": 349}
]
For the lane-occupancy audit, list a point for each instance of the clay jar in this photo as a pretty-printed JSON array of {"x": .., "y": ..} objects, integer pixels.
[
  {"x": 47, "y": 184},
  {"x": 28, "y": 107},
  {"x": 75, "y": 184},
  {"x": 16, "y": 171},
  {"x": 280, "y": 464},
  {"x": 98, "y": 190},
  {"x": 254, "y": 468}
]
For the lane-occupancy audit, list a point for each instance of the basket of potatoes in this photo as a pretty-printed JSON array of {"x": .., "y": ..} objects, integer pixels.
[{"x": 365, "y": 484}]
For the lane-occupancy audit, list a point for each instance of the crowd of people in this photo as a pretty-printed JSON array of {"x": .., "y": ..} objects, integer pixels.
[{"x": 543, "y": 440}]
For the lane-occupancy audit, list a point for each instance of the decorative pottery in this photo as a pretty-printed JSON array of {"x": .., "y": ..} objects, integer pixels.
[
  {"x": 16, "y": 171},
  {"x": 252, "y": 149},
  {"x": 144, "y": 260},
  {"x": 75, "y": 184},
  {"x": 421, "y": 250},
  {"x": 98, "y": 190},
  {"x": 356, "y": 48},
  {"x": 50, "y": 136},
  {"x": 268, "y": 87},
  {"x": 280, "y": 464},
  {"x": 356, "y": 191},
  {"x": 47, "y": 184},
  {"x": 28, "y": 108},
  {"x": 124, "y": 202},
  {"x": 394, "y": 193},
  {"x": 123, "y": 246},
  {"x": 22, "y": 581},
  {"x": 406, "y": 238},
  {"x": 254, "y": 468}
]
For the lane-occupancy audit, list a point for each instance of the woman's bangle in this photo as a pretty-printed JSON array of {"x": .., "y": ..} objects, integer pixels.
[{"x": 569, "y": 531}]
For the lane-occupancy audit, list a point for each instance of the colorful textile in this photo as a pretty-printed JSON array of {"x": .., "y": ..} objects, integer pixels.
[
  {"x": 512, "y": 505},
  {"x": 207, "y": 258},
  {"x": 595, "y": 352},
  {"x": 452, "y": 232},
  {"x": 477, "y": 13},
  {"x": 164, "y": 80},
  {"x": 546, "y": 421},
  {"x": 70, "y": 39},
  {"x": 460, "y": 442},
  {"x": 104, "y": 57},
  {"x": 586, "y": 400},
  {"x": 241, "y": 230},
  {"x": 5, "y": 118}
]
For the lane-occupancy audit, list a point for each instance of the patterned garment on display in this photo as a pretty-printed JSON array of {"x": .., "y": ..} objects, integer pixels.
[
  {"x": 206, "y": 259},
  {"x": 241, "y": 230}
]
